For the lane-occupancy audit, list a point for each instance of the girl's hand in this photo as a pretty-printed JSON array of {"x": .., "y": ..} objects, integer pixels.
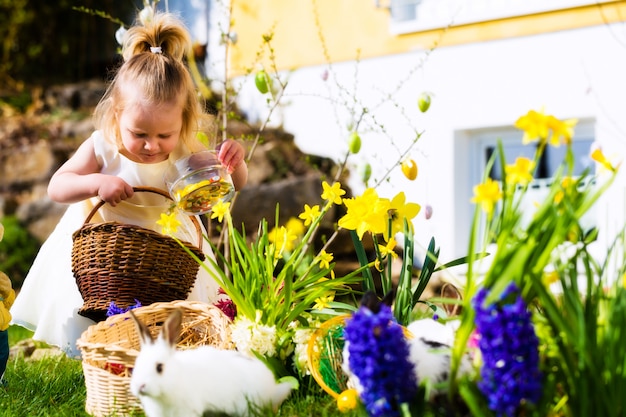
[
  {"x": 231, "y": 154},
  {"x": 114, "y": 189}
]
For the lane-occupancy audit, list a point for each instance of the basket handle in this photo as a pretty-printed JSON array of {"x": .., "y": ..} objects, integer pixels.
[{"x": 155, "y": 190}]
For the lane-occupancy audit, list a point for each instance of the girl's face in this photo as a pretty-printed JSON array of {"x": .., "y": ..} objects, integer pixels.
[{"x": 150, "y": 132}]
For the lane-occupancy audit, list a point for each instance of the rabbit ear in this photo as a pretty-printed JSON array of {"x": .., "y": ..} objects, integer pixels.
[
  {"x": 389, "y": 297},
  {"x": 171, "y": 327},
  {"x": 450, "y": 291},
  {"x": 145, "y": 336}
]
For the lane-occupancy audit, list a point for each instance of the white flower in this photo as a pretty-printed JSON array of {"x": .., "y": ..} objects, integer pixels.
[
  {"x": 249, "y": 336},
  {"x": 301, "y": 339}
]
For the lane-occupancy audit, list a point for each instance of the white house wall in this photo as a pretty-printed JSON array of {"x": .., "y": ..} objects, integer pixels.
[{"x": 570, "y": 74}]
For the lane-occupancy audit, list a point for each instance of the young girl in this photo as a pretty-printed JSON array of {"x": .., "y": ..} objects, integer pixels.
[{"x": 147, "y": 119}]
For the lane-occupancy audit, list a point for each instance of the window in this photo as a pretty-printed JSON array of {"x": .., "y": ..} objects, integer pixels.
[
  {"x": 550, "y": 160},
  {"x": 485, "y": 142}
]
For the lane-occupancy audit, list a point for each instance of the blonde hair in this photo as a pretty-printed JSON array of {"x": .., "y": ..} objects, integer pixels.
[{"x": 154, "y": 56}]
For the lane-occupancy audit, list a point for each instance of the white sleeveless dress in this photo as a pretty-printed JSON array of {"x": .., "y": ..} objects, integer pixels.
[{"x": 49, "y": 299}]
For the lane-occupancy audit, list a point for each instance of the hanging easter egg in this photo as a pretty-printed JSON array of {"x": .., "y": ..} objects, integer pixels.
[
  {"x": 354, "y": 142},
  {"x": 423, "y": 102},
  {"x": 409, "y": 169},
  {"x": 366, "y": 172},
  {"x": 262, "y": 81},
  {"x": 428, "y": 211}
]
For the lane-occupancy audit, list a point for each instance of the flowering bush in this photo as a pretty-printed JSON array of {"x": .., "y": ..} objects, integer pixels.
[
  {"x": 545, "y": 309},
  {"x": 279, "y": 285},
  {"x": 546, "y": 315}
]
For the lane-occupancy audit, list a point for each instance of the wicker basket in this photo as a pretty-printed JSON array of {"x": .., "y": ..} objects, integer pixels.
[
  {"x": 123, "y": 263},
  {"x": 109, "y": 350}
]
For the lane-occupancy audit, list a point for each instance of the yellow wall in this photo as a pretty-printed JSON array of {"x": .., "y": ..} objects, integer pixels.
[{"x": 354, "y": 28}]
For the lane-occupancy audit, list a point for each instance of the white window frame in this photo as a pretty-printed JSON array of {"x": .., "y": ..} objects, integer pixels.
[
  {"x": 471, "y": 160},
  {"x": 408, "y": 16}
]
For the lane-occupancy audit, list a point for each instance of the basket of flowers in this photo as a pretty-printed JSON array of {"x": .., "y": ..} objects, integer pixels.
[
  {"x": 123, "y": 263},
  {"x": 110, "y": 347}
]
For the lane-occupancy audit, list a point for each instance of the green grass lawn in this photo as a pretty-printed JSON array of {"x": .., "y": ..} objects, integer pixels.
[{"x": 55, "y": 386}]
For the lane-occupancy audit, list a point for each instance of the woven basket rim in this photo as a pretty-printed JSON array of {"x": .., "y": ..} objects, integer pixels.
[
  {"x": 87, "y": 346},
  {"x": 96, "y": 228}
]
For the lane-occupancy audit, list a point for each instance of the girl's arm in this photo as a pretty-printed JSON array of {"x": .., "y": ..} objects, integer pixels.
[
  {"x": 79, "y": 178},
  {"x": 232, "y": 154}
]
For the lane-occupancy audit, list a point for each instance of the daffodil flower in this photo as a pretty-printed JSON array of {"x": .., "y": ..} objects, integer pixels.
[
  {"x": 537, "y": 126},
  {"x": 325, "y": 259},
  {"x": 366, "y": 213},
  {"x": 378, "y": 265},
  {"x": 534, "y": 125},
  {"x": 169, "y": 223},
  {"x": 399, "y": 211},
  {"x": 598, "y": 156},
  {"x": 520, "y": 172},
  {"x": 550, "y": 277},
  {"x": 310, "y": 214},
  {"x": 219, "y": 210},
  {"x": 487, "y": 195},
  {"x": 388, "y": 249},
  {"x": 561, "y": 130},
  {"x": 324, "y": 301},
  {"x": 568, "y": 184},
  {"x": 295, "y": 227},
  {"x": 332, "y": 193},
  {"x": 282, "y": 238}
]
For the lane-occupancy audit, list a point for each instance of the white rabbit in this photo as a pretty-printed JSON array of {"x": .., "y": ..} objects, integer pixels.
[
  {"x": 430, "y": 347},
  {"x": 430, "y": 350},
  {"x": 187, "y": 383}
]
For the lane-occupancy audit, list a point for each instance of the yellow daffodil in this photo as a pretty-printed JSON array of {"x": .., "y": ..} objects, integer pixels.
[
  {"x": 323, "y": 301},
  {"x": 219, "y": 210},
  {"x": 310, "y": 214},
  {"x": 169, "y": 223},
  {"x": 538, "y": 126},
  {"x": 598, "y": 156},
  {"x": 624, "y": 280},
  {"x": 388, "y": 249},
  {"x": 534, "y": 125},
  {"x": 520, "y": 172},
  {"x": 282, "y": 238},
  {"x": 400, "y": 211},
  {"x": 378, "y": 265},
  {"x": 295, "y": 226},
  {"x": 366, "y": 212},
  {"x": 332, "y": 193},
  {"x": 561, "y": 130},
  {"x": 550, "y": 278},
  {"x": 568, "y": 185},
  {"x": 325, "y": 259},
  {"x": 487, "y": 195}
]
